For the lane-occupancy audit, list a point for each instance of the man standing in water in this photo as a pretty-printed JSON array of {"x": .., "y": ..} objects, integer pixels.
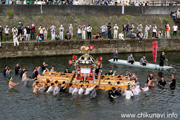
[
  {"x": 162, "y": 82},
  {"x": 112, "y": 94},
  {"x": 150, "y": 80},
  {"x": 162, "y": 58},
  {"x": 128, "y": 93},
  {"x": 17, "y": 69},
  {"x": 115, "y": 54},
  {"x": 43, "y": 66},
  {"x": 172, "y": 83},
  {"x": 25, "y": 79},
  {"x": 94, "y": 92},
  {"x": 12, "y": 84}
]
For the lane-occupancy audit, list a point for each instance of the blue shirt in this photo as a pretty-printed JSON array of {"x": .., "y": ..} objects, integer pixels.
[
  {"x": 4, "y": 72},
  {"x": 21, "y": 74},
  {"x": 103, "y": 28}
]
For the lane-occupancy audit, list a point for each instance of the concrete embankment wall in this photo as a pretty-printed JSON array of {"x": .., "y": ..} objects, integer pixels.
[
  {"x": 85, "y": 9},
  {"x": 49, "y": 48}
]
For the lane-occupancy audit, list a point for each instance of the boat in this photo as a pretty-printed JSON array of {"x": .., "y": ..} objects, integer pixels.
[
  {"x": 84, "y": 74},
  {"x": 137, "y": 64}
]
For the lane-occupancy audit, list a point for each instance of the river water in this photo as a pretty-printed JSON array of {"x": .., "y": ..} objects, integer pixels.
[{"x": 22, "y": 104}]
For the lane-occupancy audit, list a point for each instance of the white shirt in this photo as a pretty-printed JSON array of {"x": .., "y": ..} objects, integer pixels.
[
  {"x": 147, "y": 29},
  {"x": 24, "y": 77},
  {"x": 25, "y": 31},
  {"x": 79, "y": 30},
  {"x": 41, "y": 30},
  {"x": 89, "y": 29},
  {"x": 116, "y": 28},
  {"x": 145, "y": 89},
  {"x": 81, "y": 90},
  {"x": 135, "y": 92},
  {"x": 53, "y": 29},
  {"x": 14, "y": 30},
  {"x": 121, "y": 36},
  {"x": 155, "y": 29},
  {"x": 50, "y": 89},
  {"x": 76, "y": 3},
  {"x": 132, "y": 26},
  {"x": 128, "y": 94},
  {"x": 138, "y": 89},
  {"x": 75, "y": 91},
  {"x": 61, "y": 29},
  {"x": 88, "y": 90},
  {"x": 175, "y": 27},
  {"x": 6, "y": 30},
  {"x": 71, "y": 90},
  {"x": 45, "y": 71},
  {"x": 137, "y": 4},
  {"x": 56, "y": 90}
]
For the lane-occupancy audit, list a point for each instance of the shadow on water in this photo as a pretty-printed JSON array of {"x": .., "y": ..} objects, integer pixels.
[{"x": 22, "y": 104}]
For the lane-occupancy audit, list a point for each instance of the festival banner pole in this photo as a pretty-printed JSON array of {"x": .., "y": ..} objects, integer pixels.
[{"x": 154, "y": 50}]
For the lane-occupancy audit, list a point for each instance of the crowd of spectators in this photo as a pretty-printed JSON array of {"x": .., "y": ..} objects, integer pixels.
[
  {"x": 176, "y": 13},
  {"x": 127, "y": 31},
  {"x": 77, "y": 2}
]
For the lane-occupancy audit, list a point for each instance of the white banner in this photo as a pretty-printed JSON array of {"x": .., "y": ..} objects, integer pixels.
[{"x": 85, "y": 70}]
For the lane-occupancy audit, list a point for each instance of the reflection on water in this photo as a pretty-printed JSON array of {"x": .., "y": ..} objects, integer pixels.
[{"x": 22, "y": 104}]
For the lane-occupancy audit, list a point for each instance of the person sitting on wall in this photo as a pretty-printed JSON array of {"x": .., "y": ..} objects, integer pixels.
[
  {"x": 57, "y": 37},
  {"x": 133, "y": 36},
  {"x": 121, "y": 36},
  {"x": 97, "y": 36},
  {"x": 68, "y": 36},
  {"x": 21, "y": 37},
  {"x": 38, "y": 38}
]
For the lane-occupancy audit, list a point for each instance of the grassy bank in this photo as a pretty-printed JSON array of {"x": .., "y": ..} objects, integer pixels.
[{"x": 94, "y": 20}]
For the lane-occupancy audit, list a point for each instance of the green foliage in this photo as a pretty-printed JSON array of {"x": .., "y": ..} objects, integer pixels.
[
  {"x": 128, "y": 16},
  {"x": 166, "y": 20},
  {"x": 10, "y": 13}
]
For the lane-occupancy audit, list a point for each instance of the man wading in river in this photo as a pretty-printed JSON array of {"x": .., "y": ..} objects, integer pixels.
[{"x": 12, "y": 84}]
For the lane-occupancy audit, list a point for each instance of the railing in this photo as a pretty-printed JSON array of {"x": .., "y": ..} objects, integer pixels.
[
  {"x": 50, "y": 2},
  {"x": 165, "y": 3}
]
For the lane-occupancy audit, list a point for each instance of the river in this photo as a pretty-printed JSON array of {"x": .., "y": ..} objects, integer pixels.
[{"x": 22, "y": 104}]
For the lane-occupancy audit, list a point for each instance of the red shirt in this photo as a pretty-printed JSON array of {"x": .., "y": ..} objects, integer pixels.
[{"x": 32, "y": 29}]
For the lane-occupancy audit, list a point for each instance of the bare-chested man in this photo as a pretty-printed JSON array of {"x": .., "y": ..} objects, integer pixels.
[
  {"x": 150, "y": 80},
  {"x": 12, "y": 84}
]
